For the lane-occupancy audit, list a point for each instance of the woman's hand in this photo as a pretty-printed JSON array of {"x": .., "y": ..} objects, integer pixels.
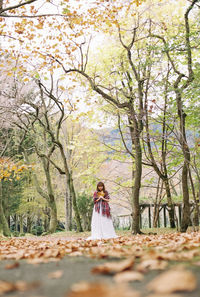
[{"x": 107, "y": 200}]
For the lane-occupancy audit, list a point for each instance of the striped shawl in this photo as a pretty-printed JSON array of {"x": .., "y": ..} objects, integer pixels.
[{"x": 104, "y": 204}]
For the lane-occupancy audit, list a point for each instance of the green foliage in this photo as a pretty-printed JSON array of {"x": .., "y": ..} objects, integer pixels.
[
  {"x": 37, "y": 230},
  {"x": 85, "y": 205},
  {"x": 16, "y": 233}
]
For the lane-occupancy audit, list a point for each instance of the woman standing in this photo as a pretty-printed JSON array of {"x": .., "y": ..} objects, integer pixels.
[{"x": 102, "y": 225}]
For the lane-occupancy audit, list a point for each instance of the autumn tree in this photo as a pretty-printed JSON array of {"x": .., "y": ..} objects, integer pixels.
[{"x": 180, "y": 84}]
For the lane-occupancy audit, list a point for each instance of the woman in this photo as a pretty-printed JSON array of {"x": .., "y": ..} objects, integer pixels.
[{"x": 102, "y": 225}]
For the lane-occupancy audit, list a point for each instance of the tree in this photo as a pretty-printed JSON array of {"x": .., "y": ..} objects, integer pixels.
[{"x": 180, "y": 84}]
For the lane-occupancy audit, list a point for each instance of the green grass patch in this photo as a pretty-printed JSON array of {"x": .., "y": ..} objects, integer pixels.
[{"x": 118, "y": 232}]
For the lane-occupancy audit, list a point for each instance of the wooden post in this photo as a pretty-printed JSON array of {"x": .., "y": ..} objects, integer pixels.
[
  {"x": 164, "y": 216},
  {"x": 140, "y": 219},
  {"x": 179, "y": 214},
  {"x": 149, "y": 215},
  {"x": 158, "y": 217}
]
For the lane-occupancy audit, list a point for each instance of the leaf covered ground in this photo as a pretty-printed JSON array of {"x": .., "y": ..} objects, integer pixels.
[{"x": 166, "y": 265}]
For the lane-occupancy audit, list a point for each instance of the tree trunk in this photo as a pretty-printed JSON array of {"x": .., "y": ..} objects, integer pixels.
[
  {"x": 29, "y": 224},
  {"x": 170, "y": 205},
  {"x": 51, "y": 198},
  {"x": 70, "y": 193},
  {"x": 53, "y": 215},
  {"x": 8, "y": 220},
  {"x": 21, "y": 224},
  {"x": 136, "y": 186},
  {"x": 185, "y": 222},
  {"x": 3, "y": 222},
  {"x": 16, "y": 222},
  {"x": 46, "y": 219},
  {"x": 156, "y": 205},
  {"x": 196, "y": 208},
  {"x": 75, "y": 207},
  {"x": 67, "y": 209}
]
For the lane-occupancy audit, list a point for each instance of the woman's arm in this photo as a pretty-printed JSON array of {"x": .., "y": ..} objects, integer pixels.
[
  {"x": 107, "y": 197},
  {"x": 107, "y": 200}
]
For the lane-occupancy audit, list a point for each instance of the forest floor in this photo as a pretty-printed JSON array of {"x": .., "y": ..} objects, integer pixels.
[{"x": 64, "y": 264}]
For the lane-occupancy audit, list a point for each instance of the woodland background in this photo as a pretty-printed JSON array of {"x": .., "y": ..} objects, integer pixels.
[{"x": 105, "y": 91}]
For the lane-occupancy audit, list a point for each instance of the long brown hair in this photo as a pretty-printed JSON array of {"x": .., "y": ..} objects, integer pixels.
[{"x": 101, "y": 184}]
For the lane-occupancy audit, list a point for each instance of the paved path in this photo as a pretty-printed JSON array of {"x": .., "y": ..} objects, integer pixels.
[{"x": 75, "y": 269}]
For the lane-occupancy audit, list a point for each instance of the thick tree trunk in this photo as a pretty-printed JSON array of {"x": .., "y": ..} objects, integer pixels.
[
  {"x": 136, "y": 186},
  {"x": 185, "y": 222},
  {"x": 21, "y": 224},
  {"x": 53, "y": 215},
  {"x": 171, "y": 208},
  {"x": 67, "y": 209},
  {"x": 3, "y": 222},
  {"x": 46, "y": 219},
  {"x": 196, "y": 208},
  {"x": 71, "y": 195},
  {"x": 157, "y": 204},
  {"x": 29, "y": 224},
  {"x": 75, "y": 207},
  {"x": 51, "y": 198},
  {"x": 16, "y": 222}
]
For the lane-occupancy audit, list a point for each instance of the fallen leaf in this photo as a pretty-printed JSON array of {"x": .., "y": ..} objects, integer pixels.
[
  {"x": 153, "y": 264},
  {"x": 128, "y": 276},
  {"x": 162, "y": 247},
  {"x": 85, "y": 289},
  {"x": 24, "y": 286},
  {"x": 55, "y": 274},
  {"x": 114, "y": 267},
  {"x": 76, "y": 253},
  {"x": 164, "y": 295},
  {"x": 42, "y": 260},
  {"x": 173, "y": 281},
  {"x": 12, "y": 266},
  {"x": 6, "y": 287}
]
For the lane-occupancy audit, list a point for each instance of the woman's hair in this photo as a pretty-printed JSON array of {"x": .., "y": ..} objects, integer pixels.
[{"x": 101, "y": 184}]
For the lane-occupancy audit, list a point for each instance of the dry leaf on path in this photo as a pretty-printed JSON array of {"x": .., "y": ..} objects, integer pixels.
[
  {"x": 6, "y": 287},
  {"x": 151, "y": 264},
  {"x": 128, "y": 276},
  {"x": 75, "y": 254},
  {"x": 12, "y": 266},
  {"x": 22, "y": 286},
  {"x": 42, "y": 260},
  {"x": 55, "y": 274},
  {"x": 114, "y": 267},
  {"x": 85, "y": 289},
  {"x": 170, "y": 247},
  {"x": 164, "y": 295},
  {"x": 173, "y": 281}
]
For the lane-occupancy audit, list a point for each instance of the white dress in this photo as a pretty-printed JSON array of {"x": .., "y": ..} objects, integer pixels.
[{"x": 101, "y": 226}]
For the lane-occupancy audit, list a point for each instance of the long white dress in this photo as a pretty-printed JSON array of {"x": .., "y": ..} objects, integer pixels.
[{"x": 101, "y": 226}]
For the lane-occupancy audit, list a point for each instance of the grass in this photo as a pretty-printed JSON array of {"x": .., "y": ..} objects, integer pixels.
[
  {"x": 118, "y": 232},
  {"x": 75, "y": 234}
]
